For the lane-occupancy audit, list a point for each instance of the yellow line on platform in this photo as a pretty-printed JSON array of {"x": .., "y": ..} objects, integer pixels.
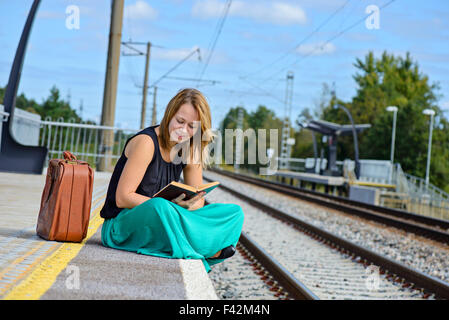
[
  {"x": 19, "y": 260},
  {"x": 45, "y": 274}
]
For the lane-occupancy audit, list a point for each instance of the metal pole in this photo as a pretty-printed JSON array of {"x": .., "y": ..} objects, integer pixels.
[
  {"x": 145, "y": 87},
  {"x": 110, "y": 85},
  {"x": 356, "y": 144},
  {"x": 238, "y": 140},
  {"x": 393, "y": 109},
  {"x": 285, "y": 147},
  {"x": 393, "y": 138},
  {"x": 154, "y": 119},
  {"x": 315, "y": 152},
  {"x": 429, "y": 150},
  {"x": 315, "y": 148}
]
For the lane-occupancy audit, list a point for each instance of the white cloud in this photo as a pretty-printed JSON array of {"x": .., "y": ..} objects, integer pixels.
[
  {"x": 316, "y": 49},
  {"x": 46, "y": 14},
  {"x": 275, "y": 12},
  {"x": 322, "y": 5},
  {"x": 140, "y": 10},
  {"x": 207, "y": 9},
  {"x": 49, "y": 14}
]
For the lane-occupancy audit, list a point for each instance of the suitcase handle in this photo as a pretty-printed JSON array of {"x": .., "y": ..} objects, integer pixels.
[{"x": 69, "y": 156}]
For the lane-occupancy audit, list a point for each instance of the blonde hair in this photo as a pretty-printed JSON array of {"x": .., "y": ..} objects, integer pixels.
[{"x": 198, "y": 101}]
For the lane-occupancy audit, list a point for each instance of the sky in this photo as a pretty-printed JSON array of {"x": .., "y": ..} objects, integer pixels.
[{"x": 259, "y": 42}]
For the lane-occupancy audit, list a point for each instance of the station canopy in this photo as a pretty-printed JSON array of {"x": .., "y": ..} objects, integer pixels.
[{"x": 334, "y": 129}]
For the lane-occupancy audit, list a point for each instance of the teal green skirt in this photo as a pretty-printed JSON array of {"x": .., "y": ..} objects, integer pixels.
[{"x": 161, "y": 228}]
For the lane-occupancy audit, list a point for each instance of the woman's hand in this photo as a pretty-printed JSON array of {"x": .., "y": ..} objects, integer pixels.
[{"x": 192, "y": 204}]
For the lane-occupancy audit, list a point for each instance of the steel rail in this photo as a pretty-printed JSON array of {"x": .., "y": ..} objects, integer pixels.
[
  {"x": 429, "y": 227},
  {"x": 295, "y": 288},
  {"x": 397, "y": 270}
]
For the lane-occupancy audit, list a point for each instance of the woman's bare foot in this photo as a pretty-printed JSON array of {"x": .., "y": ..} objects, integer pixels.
[{"x": 216, "y": 255}]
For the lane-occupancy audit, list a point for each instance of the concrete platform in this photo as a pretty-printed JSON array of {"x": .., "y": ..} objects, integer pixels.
[
  {"x": 313, "y": 177},
  {"x": 33, "y": 268}
]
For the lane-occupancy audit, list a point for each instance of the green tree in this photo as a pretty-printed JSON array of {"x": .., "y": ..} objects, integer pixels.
[
  {"x": 395, "y": 80},
  {"x": 2, "y": 94},
  {"x": 52, "y": 106},
  {"x": 21, "y": 101},
  {"x": 55, "y": 107}
]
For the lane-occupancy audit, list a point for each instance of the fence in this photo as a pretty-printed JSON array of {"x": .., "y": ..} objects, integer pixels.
[
  {"x": 412, "y": 194},
  {"x": 427, "y": 199},
  {"x": 85, "y": 140}
]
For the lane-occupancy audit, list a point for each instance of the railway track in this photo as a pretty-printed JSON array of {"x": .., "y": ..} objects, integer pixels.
[
  {"x": 435, "y": 229},
  {"x": 343, "y": 265},
  {"x": 282, "y": 282}
]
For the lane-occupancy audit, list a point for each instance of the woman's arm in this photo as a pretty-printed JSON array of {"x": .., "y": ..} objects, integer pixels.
[{"x": 140, "y": 153}]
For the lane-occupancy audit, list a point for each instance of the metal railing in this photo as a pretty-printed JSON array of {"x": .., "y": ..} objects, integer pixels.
[
  {"x": 5, "y": 115},
  {"x": 85, "y": 140},
  {"x": 427, "y": 198},
  {"x": 412, "y": 194}
]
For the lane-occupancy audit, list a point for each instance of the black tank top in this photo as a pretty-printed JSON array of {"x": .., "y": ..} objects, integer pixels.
[{"x": 159, "y": 173}]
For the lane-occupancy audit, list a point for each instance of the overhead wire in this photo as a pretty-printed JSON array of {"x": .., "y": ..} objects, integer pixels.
[
  {"x": 302, "y": 41},
  {"x": 173, "y": 68},
  {"x": 215, "y": 37},
  {"x": 316, "y": 30},
  {"x": 294, "y": 64},
  {"x": 129, "y": 64},
  {"x": 339, "y": 34}
]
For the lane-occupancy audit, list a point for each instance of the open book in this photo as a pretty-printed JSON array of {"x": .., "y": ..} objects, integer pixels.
[{"x": 175, "y": 189}]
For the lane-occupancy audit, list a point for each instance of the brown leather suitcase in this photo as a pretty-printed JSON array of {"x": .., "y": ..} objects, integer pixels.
[{"x": 66, "y": 200}]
